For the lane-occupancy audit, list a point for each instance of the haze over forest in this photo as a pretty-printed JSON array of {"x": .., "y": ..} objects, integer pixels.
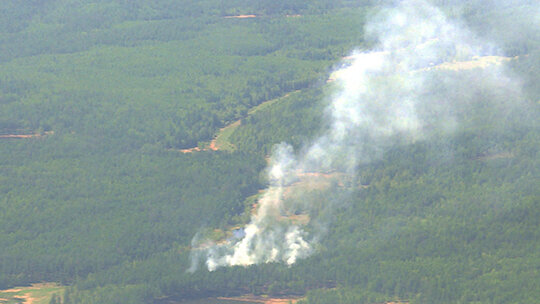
[{"x": 269, "y": 151}]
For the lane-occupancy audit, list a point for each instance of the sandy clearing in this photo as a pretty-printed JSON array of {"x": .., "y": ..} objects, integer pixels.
[
  {"x": 476, "y": 62},
  {"x": 257, "y": 16},
  {"x": 190, "y": 150},
  {"x": 259, "y": 299},
  {"x": 26, "y": 135},
  {"x": 281, "y": 301},
  {"x": 26, "y": 298},
  {"x": 11, "y": 290},
  {"x": 214, "y": 144},
  {"x": 19, "y": 135},
  {"x": 240, "y": 17}
]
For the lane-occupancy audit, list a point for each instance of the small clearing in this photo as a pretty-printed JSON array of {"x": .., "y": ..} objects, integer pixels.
[
  {"x": 261, "y": 299},
  {"x": 221, "y": 140},
  {"x": 10, "y": 290},
  {"x": 40, "y": 293},
  {"x": 33, "y": 135},
  {"x": 240, "y": 17},
  {"x": 476, "y": 62},
  {"x": 257, "y": 16}
]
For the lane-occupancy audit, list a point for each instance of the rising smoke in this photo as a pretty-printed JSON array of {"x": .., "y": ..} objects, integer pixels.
[{"x": 419, "y": 81}]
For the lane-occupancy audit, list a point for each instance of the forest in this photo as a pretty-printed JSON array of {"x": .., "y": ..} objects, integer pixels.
[{"x": 100, "y": 99}]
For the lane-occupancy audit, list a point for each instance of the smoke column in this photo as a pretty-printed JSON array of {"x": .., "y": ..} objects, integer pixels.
[{"x": 411, "y": 86}]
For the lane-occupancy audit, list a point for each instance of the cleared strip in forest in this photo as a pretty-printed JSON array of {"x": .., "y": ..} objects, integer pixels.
[
  {"x": 33, "y": 135},
  {"x": 41, "y": 293},
  {"x": 260, "y": 299},
  {"x": 240, "y": 17},
  {"x": 222, "y": 142},
  {"x": 481, "y": 62},
  {"x": 256, "y": 16},
  {"x": 221, "y": 139}
]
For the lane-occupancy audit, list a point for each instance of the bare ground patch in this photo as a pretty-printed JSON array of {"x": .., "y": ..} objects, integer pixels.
[
  {"x": 33, "y": 135},
  {"x": 261, "y": 299},
  {"x": 39, "y": 293},
  {"x": 476, "y": 62},
  {"x": 241, "y": 17}
]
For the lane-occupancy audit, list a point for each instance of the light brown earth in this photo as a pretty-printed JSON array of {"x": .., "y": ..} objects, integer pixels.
[
  {"x": 480, "y": 62},
  {"x": 259, "y": 299},
  {"x": 256, "y": 16},
  {"x": 40, "y": 293},
  {"x": 26, "y": 135},
  {"x": 25, "y": 298},
  {"x": 213, "y": 146},
  {"x": 11, "y": 290},
  {"x": 240, "y": 17},
  {"x": 477, "y": 62}
]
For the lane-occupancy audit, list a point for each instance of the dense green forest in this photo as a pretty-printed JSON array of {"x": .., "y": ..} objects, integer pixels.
[{"x": 97, "y": 98}]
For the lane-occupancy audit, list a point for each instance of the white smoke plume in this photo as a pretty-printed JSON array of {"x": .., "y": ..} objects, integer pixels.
[{"x": 424, "y": 70}]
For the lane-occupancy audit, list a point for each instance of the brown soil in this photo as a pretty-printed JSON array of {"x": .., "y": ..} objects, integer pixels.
[
  {"x": 26, "y": 135},
  {"x": 190, "y": 150},
  {"x": 214, "y": 146},
  {"x": 25, "y": 298},
  {"x": 258, "y": 299},
  {"x": 476, "y": 62},
  {"x": 19, "y": 135},
  {"x": 240, "y": 17},
  {"x": 11, "y": 290}
]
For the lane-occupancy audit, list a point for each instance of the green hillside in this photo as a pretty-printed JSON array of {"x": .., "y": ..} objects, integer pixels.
[{"x": 101, "y": 191}]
